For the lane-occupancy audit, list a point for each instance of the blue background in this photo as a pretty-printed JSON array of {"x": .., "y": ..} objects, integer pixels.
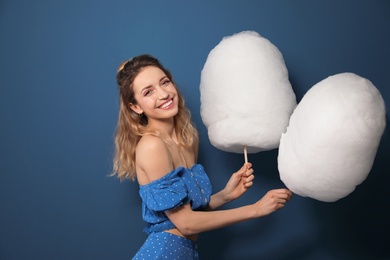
[{"x": 58, "y": 112}]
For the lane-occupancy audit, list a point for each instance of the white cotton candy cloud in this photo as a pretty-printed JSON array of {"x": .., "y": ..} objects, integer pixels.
[
  {"x": 246, "y": 97},
  {"x": 332, "y": 138}
]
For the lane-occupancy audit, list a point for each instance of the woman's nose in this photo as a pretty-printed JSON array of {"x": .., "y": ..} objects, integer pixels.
[{"x": 162, "y": 94}]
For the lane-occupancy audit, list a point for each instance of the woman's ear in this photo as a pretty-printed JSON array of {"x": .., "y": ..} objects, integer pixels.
[{"x": 135, "y": 108}]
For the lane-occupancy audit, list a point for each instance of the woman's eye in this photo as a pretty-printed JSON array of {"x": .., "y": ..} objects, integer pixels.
[
  {"x": 166, "y": 82},
  {"x": 147, "y": 93}
]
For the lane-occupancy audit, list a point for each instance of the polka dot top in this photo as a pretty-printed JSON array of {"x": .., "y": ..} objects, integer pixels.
[{"x": 178, "y": 187}]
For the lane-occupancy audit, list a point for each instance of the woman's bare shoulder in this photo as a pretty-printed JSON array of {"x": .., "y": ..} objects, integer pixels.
[
  {"x": 150, "y": 142},
  {"x": 153, "y": 159}
]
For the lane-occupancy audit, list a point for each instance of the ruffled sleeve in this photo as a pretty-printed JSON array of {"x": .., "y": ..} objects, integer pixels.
[{"x": 165, "y": 193}]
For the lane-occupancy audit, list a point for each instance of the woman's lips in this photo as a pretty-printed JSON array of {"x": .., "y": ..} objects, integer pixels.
[{"x": 167, "y": 104}]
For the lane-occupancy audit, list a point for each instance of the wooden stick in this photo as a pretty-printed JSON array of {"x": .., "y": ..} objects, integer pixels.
[{"x": 245, "y": 154}]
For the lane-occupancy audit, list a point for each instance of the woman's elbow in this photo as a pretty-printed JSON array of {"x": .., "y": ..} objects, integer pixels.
[
  {"x": 186, "y": 228},
  {"x": 184, "y": 220}
]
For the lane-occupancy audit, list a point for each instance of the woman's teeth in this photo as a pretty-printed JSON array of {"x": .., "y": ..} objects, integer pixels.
[{"x": 165, "y": 105}]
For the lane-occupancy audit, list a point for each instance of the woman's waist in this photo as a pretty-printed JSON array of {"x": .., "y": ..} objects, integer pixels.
[{"x": 177, "y": 232}]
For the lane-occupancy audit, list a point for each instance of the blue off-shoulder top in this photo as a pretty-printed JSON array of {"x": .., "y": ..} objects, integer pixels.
[{"x": 178, "y": 187}]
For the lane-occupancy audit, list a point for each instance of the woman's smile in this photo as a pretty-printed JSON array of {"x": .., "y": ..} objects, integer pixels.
[
  {"x": 155, "y": 93},
  {"x": 167, "y": 105}
]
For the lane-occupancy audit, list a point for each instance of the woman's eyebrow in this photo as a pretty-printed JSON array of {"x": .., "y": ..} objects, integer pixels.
[
  {"x": 149, "y": 86},
  {"x": 142, "y": 90}
]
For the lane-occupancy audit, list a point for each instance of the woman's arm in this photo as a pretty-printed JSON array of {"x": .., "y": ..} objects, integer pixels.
[
  {"x": 237, "y": 185},
  {"x": 154, "y": 161},
  {"x": 191, "y": 222}
]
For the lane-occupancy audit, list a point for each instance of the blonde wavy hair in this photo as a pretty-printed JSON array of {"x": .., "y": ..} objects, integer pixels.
[{"x": 132, "y": 126}]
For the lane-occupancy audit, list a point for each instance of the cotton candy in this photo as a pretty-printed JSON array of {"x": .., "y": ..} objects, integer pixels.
[
  {"x": 332, "y": 138},
  {"x": 246, "y": 97}
]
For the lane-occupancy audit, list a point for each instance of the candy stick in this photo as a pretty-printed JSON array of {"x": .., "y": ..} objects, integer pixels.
[{"x": 245, "y": 154}]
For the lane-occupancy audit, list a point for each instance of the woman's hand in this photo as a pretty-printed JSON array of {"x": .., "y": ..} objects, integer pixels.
[
  {"x": 239, "y": 182},
  {"x": 272, "y": 201}
]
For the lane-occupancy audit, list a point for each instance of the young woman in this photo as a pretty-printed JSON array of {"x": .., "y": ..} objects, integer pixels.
[{"x": 157, "y": 144}]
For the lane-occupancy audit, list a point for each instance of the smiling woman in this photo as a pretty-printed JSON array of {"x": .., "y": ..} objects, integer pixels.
[
  {"x": 58, "y": 111},
  {"x": 155, "y": 95},
  {"x": 157, "y": 144},
  {"x": 133, "y": 123}
]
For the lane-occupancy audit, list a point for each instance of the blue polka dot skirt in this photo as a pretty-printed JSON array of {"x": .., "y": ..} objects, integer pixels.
[{"x": 164, "y": 245}]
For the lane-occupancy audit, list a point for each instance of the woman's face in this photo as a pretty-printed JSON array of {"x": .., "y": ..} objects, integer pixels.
[{"x": 155, "y": 94}]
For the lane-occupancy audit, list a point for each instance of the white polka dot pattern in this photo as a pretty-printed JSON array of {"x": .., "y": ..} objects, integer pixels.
[
  {"x": 163, "y": 245},
  {"x": 176, "y": 188}
]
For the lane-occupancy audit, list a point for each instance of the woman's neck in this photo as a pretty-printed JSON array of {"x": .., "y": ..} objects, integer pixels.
[{"x": 166, "y": 128}]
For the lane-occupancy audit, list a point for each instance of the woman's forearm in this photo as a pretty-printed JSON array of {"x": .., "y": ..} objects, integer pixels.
[
  {"x": 237, "y": 185},
  {"x": 217, "y": 200},
  {"x": 191, "y": 222},
  {"x": 194, "y": 222}
]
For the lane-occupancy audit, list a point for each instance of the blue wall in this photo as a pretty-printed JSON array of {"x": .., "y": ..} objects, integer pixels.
[{"x": 58, "y": 111}]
